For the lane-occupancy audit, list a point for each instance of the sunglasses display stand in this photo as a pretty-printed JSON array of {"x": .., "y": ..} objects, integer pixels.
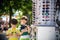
[
  {"x": 43, "y": 12},
  {"x": 44, "y": 19}
]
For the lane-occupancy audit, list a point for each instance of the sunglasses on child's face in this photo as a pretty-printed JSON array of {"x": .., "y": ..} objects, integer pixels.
[{"x": 24, "y": 19}]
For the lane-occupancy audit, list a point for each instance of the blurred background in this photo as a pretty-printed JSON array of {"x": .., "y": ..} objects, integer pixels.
[{"x": 43, "y": 15}]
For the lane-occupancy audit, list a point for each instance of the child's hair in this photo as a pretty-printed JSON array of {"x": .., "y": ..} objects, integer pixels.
[{"x": 14, "y": 21}]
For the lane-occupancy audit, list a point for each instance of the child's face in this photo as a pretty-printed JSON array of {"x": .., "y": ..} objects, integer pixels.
[
  {"x": 13, "y": 25},
  {"x": 23, "y": 21}
]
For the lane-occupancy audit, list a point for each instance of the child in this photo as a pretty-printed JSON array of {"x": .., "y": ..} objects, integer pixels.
[
  {"x": 13, "y": 33},
  {"x": 25, "y": 30}
]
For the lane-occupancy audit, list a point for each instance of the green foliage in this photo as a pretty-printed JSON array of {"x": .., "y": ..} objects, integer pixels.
[{"x": 23, "y": 5}]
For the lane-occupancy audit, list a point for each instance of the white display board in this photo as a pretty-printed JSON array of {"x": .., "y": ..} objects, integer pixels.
[{"x": 45, "y": 33}]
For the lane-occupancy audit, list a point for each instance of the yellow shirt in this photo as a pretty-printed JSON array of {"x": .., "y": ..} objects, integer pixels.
[{"x": 13, "y": 32}]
